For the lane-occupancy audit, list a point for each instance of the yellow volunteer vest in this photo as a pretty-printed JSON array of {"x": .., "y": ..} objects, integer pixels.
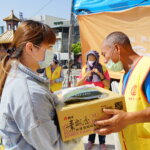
[
  {"x": 53, "y": 76},
  {"x": 1, "y": 146},
  {"x": 137, "y": 136}
]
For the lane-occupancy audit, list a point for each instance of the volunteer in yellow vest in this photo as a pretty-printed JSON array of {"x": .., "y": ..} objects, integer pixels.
[
  {"x": 55, "y": 74},
  {"x": 134, "y": 125}
]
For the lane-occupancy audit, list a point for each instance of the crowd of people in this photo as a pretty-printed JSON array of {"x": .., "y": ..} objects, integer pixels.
[{"x": 28, "y": 119}]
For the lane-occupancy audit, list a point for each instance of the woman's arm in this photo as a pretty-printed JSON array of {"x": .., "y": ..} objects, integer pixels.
[
  {"x": 35, "y": 119},
  {"x": 104, "y": 78},
  {"x": 107, "y": 80},
  {"x": 83, "y": 78},
  {"x": 106, "y": 83}
]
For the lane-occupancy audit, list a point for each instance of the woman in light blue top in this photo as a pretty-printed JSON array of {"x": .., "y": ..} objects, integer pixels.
[{"x": 27, "y": 108}]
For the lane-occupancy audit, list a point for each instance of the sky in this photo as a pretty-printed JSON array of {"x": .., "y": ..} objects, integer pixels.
[{"x": 30, "y": 8}]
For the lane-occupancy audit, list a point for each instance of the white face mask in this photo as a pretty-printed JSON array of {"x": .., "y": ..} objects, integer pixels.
[
  {"x": 116, "y": 67},
  {"x": 91, "y": 63},
  {"x": 48, "y": 59}
]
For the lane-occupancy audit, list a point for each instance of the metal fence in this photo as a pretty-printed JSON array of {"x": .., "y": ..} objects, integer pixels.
[{"x": 72, "y": 78}]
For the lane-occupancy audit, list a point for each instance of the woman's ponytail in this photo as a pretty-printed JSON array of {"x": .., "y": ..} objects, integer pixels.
[{"x": 5, "y": 66}]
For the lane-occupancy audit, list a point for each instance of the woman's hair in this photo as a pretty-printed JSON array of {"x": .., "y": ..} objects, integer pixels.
[{"x": 28, "y": 31}]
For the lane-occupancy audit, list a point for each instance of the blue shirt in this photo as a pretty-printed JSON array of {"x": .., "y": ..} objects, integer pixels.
[{"x": 146, "y": 84}]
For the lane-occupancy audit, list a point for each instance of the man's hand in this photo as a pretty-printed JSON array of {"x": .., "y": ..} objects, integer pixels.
[{"x": 115, "y": 123}]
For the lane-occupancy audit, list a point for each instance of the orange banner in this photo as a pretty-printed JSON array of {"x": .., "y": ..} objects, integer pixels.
[{"x": 134, "y": 22}]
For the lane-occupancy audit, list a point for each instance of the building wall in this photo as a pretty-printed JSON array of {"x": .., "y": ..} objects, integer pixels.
[
  {"x": 1, "y": 30},
  {"x": 52, "y": 21},
  {"x": 61, "y": 28}
]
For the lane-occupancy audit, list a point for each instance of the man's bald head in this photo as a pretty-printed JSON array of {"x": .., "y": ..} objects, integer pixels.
[
  {"x": 115, "y": 46},
  {"x": 117, "y": 38}
]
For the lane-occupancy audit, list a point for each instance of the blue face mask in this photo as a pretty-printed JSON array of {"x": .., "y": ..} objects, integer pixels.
[
  {"x": 116, "y": 67},
  {"x": 48, "y": 59}
]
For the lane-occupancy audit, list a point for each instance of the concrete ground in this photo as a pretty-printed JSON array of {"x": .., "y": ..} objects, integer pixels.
[{"x": 109, "y": 142}]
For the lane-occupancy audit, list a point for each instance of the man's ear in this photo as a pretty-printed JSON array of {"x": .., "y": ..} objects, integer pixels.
[
  {"x": 117, "y": 47},
  {"x": 28, "y": 48}
]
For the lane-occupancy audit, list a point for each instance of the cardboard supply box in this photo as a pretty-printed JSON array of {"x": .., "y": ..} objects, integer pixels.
[{"x": 76, "y": 120}]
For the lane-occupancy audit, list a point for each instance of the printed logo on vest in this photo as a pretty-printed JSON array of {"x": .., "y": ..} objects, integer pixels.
[{"x": 133, "y": 90}]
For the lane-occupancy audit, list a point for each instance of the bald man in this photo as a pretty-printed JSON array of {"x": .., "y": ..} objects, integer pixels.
[{"x": 134, "y": 125}]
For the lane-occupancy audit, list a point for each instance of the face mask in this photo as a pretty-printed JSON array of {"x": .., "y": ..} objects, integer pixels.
[
  {"x": 116, "y": 67},
  {"x": 48, "y": 59},
  {"x": 91, "y": 63}
]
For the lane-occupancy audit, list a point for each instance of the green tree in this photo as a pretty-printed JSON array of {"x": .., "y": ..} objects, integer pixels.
[{"x": 76, "y": 48}]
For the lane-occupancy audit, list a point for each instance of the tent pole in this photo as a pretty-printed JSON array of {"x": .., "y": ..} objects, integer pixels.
[{"x": 70, "y": 43}]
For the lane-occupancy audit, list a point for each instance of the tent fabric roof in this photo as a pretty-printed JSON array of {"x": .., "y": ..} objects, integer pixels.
[
  {"x": 12, "y": 17},
  {"x": 7, "y": 37},
  {"x": 96, "y": 6}
]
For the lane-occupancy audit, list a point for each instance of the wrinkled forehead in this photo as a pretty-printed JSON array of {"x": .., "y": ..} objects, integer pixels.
[{"x": 106, "y": 48}]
